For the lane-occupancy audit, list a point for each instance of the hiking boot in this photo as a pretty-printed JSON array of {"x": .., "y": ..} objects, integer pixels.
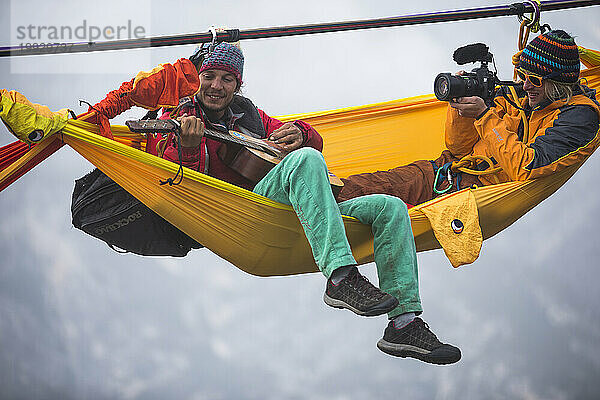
[
  {"x": 417, "y": 341},
  {"x": 357, "y": 294}
]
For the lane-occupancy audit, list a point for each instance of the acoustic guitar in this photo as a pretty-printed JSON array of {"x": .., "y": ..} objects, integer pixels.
[{"x": 250, "y": 157}]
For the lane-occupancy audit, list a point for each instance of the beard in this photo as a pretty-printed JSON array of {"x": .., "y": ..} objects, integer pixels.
[{"x": 213, "y": 107}]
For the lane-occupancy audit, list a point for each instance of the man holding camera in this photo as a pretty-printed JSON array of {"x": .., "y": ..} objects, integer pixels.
[{"x": 560, "y": 130}]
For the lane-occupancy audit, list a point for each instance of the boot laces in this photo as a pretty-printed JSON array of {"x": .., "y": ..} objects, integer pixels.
[
  {"x": 427, "y": 331},
  {"x": 363, "y": 286}
]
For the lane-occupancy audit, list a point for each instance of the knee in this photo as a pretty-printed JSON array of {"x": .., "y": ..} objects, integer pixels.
[
  {"x": 305, "y": 155},
  {"x": 390, "y": 205}
]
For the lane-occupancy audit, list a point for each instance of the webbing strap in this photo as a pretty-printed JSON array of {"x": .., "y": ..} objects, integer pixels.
[{"x": 467, "y": 164}]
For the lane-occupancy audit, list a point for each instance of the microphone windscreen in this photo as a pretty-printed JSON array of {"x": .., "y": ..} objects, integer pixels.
[{"x": 470, "y": 53}]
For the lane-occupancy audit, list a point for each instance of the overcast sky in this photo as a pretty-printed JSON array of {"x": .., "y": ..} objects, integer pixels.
[{"x": 78, "y": 321}]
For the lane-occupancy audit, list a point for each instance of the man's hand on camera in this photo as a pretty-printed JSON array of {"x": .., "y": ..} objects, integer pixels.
[{"x": 470, "y": 107}]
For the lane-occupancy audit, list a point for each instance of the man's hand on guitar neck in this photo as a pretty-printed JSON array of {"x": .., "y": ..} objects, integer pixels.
[
  {"x": 192, "y": 130},
  {"x": 288, "y": 137}
]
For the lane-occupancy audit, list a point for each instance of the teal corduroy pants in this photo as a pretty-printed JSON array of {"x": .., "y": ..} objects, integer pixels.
[{"x": 301, "y": 180}]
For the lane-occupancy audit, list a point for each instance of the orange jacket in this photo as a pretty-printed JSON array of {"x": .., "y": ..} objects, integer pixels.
[{"x": 560, "y": 134}]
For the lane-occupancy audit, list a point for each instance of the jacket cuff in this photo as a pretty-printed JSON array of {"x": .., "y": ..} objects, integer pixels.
[{"x": 483, "y": 113}]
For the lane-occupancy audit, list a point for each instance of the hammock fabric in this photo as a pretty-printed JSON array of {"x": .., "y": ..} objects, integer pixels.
[{"x": 263, "y": 237}]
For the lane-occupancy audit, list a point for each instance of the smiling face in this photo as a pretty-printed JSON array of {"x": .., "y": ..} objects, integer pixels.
[
  {"x": 535, "y": 94},
  {"x": 217, "y": 88}
]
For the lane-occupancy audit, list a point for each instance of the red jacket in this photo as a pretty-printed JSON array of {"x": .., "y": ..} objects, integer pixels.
[{"x": 242, "y": 116}]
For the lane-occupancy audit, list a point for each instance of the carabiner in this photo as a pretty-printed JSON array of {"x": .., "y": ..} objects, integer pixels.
[
  {"x": 213, "y": 43},
  {"x": 533, "y": 22}
]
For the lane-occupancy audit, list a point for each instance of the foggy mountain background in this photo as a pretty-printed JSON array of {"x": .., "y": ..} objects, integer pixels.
[{"x": 79, "y": 321}]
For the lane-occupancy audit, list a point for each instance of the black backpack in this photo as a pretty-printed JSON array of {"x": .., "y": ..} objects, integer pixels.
[{"x": 105, "y": 210}]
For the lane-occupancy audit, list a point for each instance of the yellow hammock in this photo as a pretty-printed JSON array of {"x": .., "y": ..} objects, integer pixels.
[{"x": 265, "y": 238}]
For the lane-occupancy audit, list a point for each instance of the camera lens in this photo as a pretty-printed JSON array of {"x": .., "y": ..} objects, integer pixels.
[
  {"x": 442, "y": 87},
  {"x": 447, "y": 86}
]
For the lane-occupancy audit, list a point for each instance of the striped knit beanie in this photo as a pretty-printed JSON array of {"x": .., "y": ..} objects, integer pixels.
[
  {"x": 226, "y": 57},
  {"x": 552, "y": 55}
]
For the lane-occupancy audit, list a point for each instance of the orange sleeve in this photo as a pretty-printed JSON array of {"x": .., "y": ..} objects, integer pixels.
[
  {"x": 165, "y": 85},
  {"x": 460, "y": 132}
]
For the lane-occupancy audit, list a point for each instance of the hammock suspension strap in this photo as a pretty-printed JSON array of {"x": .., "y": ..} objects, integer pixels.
[
  {"x": 528, "y": 25},
  {"x": 532, "y": 22}
]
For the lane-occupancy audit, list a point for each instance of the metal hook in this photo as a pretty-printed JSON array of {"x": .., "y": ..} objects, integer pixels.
[
  {"x": 535, "y": 15},
  {"x": 545, "y": 28},
  {"x": 213, "y": 43}
]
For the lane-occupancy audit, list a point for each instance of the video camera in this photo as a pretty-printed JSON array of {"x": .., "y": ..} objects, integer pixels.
[{"x": 479, "y": 82}]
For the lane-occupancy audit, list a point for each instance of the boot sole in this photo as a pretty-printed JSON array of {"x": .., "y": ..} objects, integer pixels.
[
  {"x": 380, "y": 309},
  {"x": 439, "y": 356}
]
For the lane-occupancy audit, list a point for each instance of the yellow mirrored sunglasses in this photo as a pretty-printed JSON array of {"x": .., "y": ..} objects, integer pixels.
[{"x": 535, "y": 80}]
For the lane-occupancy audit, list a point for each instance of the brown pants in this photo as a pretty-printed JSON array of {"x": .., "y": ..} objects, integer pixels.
[{"x": 413, "y": 183}]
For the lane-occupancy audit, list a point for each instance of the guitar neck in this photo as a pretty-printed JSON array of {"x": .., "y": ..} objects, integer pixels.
[
  {"x": 243, "y": 140},
  {"x": 166, "y": 126}
]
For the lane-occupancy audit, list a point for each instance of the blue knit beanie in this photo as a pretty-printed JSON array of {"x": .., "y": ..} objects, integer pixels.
[{"x": 226, "y": 57}]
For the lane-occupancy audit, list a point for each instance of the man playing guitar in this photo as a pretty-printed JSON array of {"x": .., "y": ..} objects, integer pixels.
[{"x": 301, "y": 180}]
